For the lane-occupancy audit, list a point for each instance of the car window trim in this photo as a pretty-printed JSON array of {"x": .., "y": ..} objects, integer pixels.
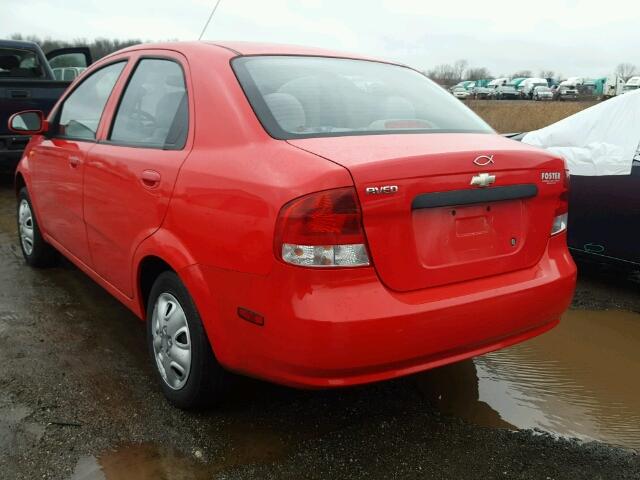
[
  {"x": 108, "y": 141},
  {"x": 58, "y": 112}
]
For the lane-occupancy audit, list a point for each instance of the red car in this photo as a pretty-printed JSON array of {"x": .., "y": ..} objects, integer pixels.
[{"x": 293, "y": 214}]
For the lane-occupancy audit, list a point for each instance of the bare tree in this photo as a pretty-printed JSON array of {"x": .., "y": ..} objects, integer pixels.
[
  {"x": 522, "y": 74},
  {"x": 443, "y": 74},
  {"x": 547, "y": 74},
  {"x": 625, "y": 70},
  {"x": 447, "y": 74},
  {"x": 459, "y": 68},
  {"x": 478, "y": 73}
]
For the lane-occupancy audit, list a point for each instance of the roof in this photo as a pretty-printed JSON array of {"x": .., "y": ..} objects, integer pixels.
[
  {"x": 254, "y": 48},
  {"x": 19, "y": 44}
]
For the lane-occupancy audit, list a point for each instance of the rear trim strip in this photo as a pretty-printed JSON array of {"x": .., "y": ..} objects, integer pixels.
[{"x": 467, "y": 196}]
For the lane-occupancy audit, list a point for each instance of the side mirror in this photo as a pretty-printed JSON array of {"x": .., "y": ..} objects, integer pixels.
[{"x": 29, "y": 122}]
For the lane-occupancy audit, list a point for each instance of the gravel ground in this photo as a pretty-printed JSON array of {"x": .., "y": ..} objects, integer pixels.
[{"x": 77, "y": 394}]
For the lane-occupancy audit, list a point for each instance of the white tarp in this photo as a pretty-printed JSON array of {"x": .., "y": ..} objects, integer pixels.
[{"x": 601, "y": 140}]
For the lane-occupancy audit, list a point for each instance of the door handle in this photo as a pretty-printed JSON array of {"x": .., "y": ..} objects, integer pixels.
[
  {"x": 74, "y": 161},
  {"x": 150, "y": 178}
]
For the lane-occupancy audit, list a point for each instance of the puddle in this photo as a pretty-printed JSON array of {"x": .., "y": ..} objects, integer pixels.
[
  {"x": 15, "y": 430},
  {"x": 140, "y": 462},
  {"x": 578, "y": 380},
  {"x": 247, "y": 444}
]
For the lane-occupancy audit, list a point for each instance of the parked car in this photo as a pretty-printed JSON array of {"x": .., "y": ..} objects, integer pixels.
[
  {"x": 295, "y": 215},
  {"x": 601, "y": 147},
  {"x": 461, "y": 93},
  {"x": 542, "y": 93},
  {"x": 67, "y": 73},
  {"x": 564, "y": 92},
  {"x": 482, "y": 93},
  {"x": 528, "y": 86},
  {"x": 28, "y": 82},
  {"x": 506, "y": 92}
]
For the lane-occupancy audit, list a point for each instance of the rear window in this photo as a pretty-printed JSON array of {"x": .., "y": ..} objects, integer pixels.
[
  {"x": 19, "y": 63},
  {"x": 302, "y": 97}
]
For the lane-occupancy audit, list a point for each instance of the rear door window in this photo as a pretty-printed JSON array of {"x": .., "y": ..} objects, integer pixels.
[
  {"x": 81, "y": 111},
  {"x": 153, "y": 111},
  {"x": 20, "y": 63}
]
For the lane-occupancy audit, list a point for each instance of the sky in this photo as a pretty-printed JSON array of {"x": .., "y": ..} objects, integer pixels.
[{"x": 573, "y": 38}]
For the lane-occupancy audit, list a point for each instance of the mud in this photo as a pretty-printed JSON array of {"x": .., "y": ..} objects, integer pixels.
[{"x": 77, "y": 399}]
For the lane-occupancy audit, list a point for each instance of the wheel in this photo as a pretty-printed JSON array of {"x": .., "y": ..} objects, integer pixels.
[
  {"x": 36, "y": 252},
  {"x": 189, "y": 374}
]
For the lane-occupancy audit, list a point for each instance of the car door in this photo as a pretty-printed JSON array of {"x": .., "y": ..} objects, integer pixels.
[
  {"x": 59, "y": 160},
  {"x": 70, "y": 57},
  {"x": 604, "y": 215},
  {"x": 131, "y": 172}
]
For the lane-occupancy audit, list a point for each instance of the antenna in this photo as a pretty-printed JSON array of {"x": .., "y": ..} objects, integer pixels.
[{"x": 204, "y": 29}]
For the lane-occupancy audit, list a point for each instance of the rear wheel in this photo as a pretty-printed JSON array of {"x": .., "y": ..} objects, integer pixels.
[
  {"x": 36, "y": 252},
  {"x": 183, "y": 359}
]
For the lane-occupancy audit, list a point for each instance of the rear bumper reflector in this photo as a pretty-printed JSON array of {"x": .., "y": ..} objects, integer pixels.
[{"x": 470, "y": 196}]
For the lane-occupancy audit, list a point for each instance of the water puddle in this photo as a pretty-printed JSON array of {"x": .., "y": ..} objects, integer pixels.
[
  {"x": 578, "y": 380},
  {"x": 140, "y": 462},
  {"x": 247, "y": 444},
  {"x": 15, "y": 429}
]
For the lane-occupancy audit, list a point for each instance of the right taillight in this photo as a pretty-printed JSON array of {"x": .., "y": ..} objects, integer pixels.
[
  {"x": 561, "y": 216},
  {"x": 323, "y": 229}
]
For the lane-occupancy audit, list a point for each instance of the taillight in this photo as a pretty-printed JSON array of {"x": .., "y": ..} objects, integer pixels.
[
  {"x": 323, "y": 229},
  {"x": 561, "y": 216}
]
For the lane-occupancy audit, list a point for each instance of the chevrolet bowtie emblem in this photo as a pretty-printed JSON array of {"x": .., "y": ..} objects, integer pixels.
[{"x": 483, "y": 180}]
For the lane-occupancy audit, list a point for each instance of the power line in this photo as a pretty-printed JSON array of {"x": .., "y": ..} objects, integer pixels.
[{"x": 204, "y": 29}]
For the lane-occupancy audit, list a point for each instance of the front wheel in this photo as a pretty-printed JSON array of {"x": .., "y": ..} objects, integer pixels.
[
  {"x": 36, "y": 252},
  {"x": 183, "y": 359}
]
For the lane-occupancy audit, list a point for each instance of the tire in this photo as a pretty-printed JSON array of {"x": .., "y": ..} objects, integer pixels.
[
  {"x": 37, "y": 253},
  {"x": 173, "y": 338}
]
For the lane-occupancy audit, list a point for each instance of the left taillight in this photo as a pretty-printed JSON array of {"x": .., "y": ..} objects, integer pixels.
[
  {"x": 561, "y": 216},
  {"x": 323, "y": 229}
]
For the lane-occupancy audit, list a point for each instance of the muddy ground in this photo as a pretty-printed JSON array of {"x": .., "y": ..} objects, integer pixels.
[{"x": 78, "y": 401}]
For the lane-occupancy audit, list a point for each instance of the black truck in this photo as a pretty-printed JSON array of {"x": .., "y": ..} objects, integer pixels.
[{"x": 28, "y": 82}]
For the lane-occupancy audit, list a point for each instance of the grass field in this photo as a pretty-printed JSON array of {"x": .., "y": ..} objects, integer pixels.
[{"x": 508, "y": 116}]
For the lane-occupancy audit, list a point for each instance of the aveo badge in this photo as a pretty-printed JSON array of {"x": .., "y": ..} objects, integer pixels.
[
  {"x": 550, "y": 177},
  {"x": 385, "y": 189}
]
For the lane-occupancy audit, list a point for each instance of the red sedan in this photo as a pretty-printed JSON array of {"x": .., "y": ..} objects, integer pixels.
[{"x": 296, "y": 215}]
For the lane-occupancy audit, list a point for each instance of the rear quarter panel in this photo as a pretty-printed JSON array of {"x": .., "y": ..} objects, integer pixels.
[{"x": 231, "y": 188}]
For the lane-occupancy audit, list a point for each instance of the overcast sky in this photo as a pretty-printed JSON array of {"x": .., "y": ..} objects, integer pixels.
[{"x": 575, "y": 38}]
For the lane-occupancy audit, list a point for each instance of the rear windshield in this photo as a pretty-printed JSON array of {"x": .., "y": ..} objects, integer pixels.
[
  {"x": 302, "y": 97},
  {"x": 19, "y": 63}
]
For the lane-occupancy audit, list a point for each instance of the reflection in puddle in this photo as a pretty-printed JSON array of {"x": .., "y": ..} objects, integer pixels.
[{"x": 578, "y": 380}]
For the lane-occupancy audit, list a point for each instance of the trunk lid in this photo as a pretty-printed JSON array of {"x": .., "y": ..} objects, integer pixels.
[{"x": 426, "y": 225}]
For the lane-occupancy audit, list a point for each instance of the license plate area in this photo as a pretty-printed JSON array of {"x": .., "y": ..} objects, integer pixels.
[{"x": 455, "y": 235}]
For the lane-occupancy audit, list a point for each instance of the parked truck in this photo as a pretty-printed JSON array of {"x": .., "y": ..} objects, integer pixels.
[
  {"x": 27, "y": 82},
  {"x": 632, "y": 84},
  {"x": 608, "y": 87}
]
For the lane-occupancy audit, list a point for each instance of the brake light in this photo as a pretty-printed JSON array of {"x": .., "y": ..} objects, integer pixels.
[
  {"x": 561, "y": 216},
  {"x": 323, "y": 229}
]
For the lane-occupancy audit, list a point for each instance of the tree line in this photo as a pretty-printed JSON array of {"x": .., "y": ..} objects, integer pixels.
[
  {"x": 452, "y": 73},
  {"x": 99, "y": 47},
  {"x": 444, "y": 74}
]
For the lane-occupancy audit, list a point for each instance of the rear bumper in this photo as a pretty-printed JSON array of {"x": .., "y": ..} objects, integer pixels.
[{"x": 337, "y": 328}]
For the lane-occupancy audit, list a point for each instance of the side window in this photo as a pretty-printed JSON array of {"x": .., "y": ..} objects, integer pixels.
[
  {"x": 81, "y": 111},
  {"x": 153, "y": 110}
]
